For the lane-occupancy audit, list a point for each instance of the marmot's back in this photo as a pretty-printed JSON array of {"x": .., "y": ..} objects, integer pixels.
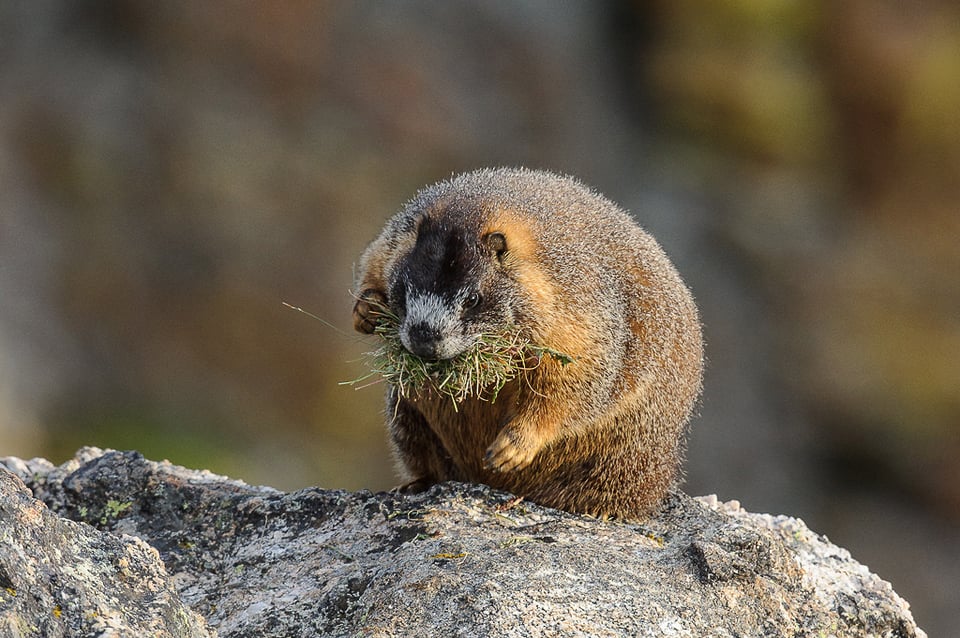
[{"x": 505, "y": 249}]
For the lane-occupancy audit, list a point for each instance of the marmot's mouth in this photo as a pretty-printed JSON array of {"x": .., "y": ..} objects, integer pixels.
[
  {"x": 431, "y": 344},
  {"x": 425, "y": 341}
]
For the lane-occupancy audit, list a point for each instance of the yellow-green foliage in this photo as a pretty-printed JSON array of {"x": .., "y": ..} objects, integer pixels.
[{"x": 480, "y": 371}]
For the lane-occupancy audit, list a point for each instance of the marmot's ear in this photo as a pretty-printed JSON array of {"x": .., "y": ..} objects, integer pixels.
[{"x": 497, "y": 243}]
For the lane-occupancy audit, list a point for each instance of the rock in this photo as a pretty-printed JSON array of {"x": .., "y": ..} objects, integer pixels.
[
  {"x": 455, "y": 560},
  {"x": 62, "y": 578}
]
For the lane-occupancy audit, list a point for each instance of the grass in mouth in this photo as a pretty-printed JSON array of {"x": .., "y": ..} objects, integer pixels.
[{"x": 480, "y": 371}]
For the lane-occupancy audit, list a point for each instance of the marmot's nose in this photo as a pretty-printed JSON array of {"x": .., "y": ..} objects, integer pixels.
[{"x": 423, "y": 339}]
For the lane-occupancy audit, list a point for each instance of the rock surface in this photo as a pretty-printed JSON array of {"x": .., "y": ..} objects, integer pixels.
[
  {"x": 455, "y": 560},
  {"x": 62, "y": 578}
]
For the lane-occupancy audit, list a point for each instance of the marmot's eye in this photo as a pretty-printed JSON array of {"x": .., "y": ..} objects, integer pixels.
[{"x": 472, "y": 301}]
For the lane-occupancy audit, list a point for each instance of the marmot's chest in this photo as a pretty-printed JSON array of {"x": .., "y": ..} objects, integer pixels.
[{"x": 467, "y": 429}]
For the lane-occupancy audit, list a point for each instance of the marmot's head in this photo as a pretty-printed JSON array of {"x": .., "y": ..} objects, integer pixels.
[
  {"x": 468, "y": 257},
  {"x": 451, "y": 286}
]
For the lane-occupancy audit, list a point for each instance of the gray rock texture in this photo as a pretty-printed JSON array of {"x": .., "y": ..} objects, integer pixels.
[
  {"x": 63, "y": 578},
  {"x": 457, "y": 560}
]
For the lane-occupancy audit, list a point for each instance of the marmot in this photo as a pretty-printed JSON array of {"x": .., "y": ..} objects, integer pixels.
[{"x": 603, "y": 435}]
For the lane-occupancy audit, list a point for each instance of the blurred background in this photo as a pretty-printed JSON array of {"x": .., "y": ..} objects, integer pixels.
[{"x": 171, "y": 172}]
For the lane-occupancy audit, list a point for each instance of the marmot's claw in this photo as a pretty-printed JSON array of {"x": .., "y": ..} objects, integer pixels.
[{"x": 413, "y": 487}]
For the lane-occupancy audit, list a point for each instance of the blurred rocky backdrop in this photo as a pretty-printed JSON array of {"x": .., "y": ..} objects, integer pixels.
[{"x": 170, "y": 173}]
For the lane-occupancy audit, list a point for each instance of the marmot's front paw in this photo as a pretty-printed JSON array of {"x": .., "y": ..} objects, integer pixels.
[
  {"x": 511, "y": 451},
  {"x": 368, "y": 310}
]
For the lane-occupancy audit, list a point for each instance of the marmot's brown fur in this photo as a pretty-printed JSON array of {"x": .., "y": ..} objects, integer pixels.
[{"x": 603, "y": 435}]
